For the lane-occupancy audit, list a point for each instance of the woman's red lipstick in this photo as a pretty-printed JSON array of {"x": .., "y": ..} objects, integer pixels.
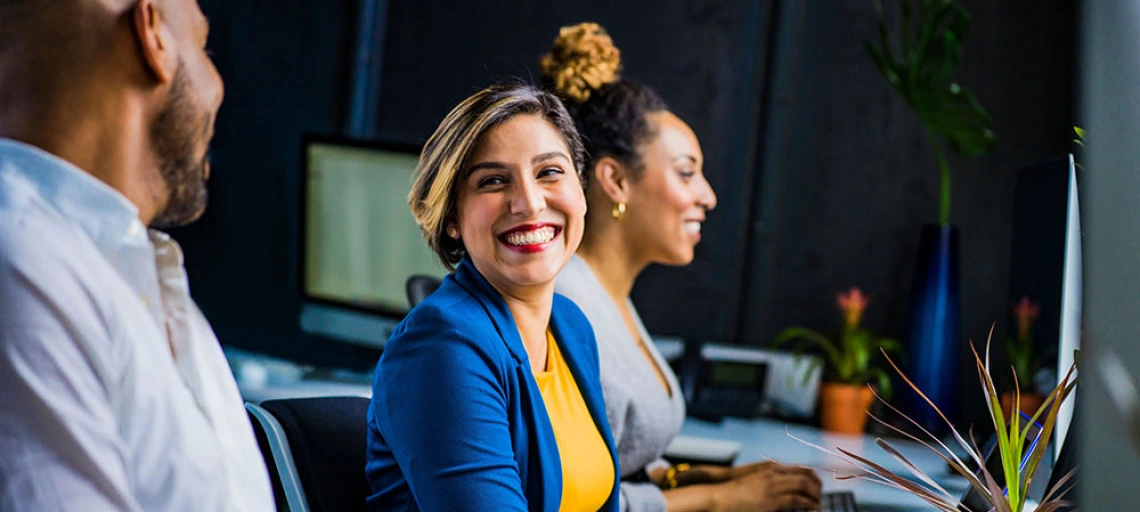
[{"x": 530, "y": 238}]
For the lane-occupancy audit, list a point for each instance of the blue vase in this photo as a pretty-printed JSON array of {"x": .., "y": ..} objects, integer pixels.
[{"x": 934, "y": 329}]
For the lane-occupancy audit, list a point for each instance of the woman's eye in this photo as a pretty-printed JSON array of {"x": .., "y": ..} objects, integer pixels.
[
  {"x": 550, "y": 171},
  {"x": 491, "y": 181},
  {"x": 687, "y": 175}
]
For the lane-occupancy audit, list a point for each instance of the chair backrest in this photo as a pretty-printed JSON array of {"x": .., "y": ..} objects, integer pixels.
[
  {"x": 419, "y": 287},
  {"x": 318, "y": 446},
  {"x": 259, "y": 418}
]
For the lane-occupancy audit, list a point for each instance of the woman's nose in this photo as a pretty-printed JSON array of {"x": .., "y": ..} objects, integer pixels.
[{"x": 528, "y": 199}]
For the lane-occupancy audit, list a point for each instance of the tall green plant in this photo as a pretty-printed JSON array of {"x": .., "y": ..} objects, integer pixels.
[{"x": 929, "y": 46}]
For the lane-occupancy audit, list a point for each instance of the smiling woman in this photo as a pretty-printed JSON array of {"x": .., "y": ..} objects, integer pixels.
[{"x": 487, "y": 383}]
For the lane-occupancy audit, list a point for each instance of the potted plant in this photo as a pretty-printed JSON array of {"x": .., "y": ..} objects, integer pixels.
[
  {"x": 848, "y": 365},
  {"x": 1011, "y": 444},
  {"x": 919, "y": 63},
  {"x": 1025, "y": 360}
]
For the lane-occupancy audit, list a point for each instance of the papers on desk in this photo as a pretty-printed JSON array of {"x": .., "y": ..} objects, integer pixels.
[{"x": 703, "y": 450}]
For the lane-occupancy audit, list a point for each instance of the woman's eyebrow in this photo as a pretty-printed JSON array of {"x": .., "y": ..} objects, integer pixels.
[
  {"x": 487, "y": 165},
  {"x": 549, "y": 156}
]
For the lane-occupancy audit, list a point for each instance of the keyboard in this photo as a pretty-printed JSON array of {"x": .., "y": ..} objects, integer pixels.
[{"x": 837, "y": 502}]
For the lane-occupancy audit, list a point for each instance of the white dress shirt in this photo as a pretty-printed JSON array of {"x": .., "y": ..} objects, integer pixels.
[{"x": 114, "y": 392}]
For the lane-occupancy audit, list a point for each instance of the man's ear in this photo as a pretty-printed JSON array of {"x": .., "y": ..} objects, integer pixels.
[
  {"x": 155, "y": 40},
  {"x": 613, "y": 178}
]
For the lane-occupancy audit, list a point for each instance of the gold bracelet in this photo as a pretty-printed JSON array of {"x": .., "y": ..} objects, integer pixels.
[{"x": 671, "y": 475}]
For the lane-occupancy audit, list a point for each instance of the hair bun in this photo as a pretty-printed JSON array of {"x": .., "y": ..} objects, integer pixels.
[{"x": 583, "y": 60}]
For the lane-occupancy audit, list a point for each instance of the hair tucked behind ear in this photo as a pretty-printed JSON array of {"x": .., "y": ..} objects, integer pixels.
[{"x": 609, "y": 111}]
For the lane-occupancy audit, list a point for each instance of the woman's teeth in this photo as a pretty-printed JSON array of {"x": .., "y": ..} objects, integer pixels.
[
  {"x": 537, "y": 236},
  {"x": 693, "y": 227}
]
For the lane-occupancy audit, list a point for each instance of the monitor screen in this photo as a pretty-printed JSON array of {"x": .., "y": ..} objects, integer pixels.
[{"x": 361, "y": 243}]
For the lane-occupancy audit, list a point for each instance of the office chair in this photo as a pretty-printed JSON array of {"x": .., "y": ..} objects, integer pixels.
[
  {"x": 419, "y": 287},
  {"x": 316, "y": 446},
  {"x": 258, "y": 421}
]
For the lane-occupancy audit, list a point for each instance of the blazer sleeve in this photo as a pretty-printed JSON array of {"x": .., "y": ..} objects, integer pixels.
[{"x": 441, "y": 405}]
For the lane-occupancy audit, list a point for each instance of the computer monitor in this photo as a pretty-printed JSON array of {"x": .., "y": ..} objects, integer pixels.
[
  {"x": 359, "y": 241},
  {"x": 1045, "y": 261},
  {"x": 1067, "y": 463}
]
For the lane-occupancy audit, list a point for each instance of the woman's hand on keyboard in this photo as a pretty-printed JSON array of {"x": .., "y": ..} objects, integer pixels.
[
  {"x": 768, "y": 487},
  {"x": 701, "y": 474}
]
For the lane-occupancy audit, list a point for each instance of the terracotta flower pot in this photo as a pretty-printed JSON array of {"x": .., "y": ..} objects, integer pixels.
[
  {"x": 843, "y": 407},
  {"x": 1030, "y": 402}
]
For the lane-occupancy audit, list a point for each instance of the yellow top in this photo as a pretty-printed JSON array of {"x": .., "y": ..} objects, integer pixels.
[{"x": 587, "y": 469}]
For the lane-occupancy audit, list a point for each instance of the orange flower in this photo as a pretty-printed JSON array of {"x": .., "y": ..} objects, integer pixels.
[
  {"x": 1025, "y": 311},
  {"x": 852, "y": 304}
]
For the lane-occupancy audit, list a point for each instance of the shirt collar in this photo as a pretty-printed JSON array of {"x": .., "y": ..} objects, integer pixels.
[{"x": 106, "y": 215}]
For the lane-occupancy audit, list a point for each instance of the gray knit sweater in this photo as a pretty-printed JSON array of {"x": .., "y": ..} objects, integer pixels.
[{"x": 643, "y": 416}]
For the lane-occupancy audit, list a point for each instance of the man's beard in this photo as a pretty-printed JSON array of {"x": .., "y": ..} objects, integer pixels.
[{"x": 175, "y": 135}]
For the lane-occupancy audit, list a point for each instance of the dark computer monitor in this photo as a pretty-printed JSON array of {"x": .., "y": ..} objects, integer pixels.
[
  {"x": 1067, "y": 462},
  {"x": 359, "y": 241},
  {"x": 1045, "y": 262}
]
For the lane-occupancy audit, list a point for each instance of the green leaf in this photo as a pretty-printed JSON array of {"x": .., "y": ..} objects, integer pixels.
[
  {"x": 931, "y": 41},
  {"x": 884, "y": 381},
  {"x": 809, "y": 337},
  {"x": 890, "y": 345}
]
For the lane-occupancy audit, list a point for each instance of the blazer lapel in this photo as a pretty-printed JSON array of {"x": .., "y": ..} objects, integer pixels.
[
  {"x": 573, "y": 339},
  {"x": 470, "y": 279}
]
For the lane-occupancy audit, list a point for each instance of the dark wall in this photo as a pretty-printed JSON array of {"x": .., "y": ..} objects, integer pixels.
[
  {"x": 848, "y": 177},
  {"x": 285, "y": 66},
  {"x": 823, "y": 175}
]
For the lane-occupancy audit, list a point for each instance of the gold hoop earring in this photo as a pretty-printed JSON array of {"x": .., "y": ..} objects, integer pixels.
[
  {"x": 453, "y": 233},
  {"x": 618, "y": 211}
]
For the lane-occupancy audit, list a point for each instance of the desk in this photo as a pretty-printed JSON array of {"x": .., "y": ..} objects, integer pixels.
[
  {"x": 765, "y": 439},
  {"x": 304, "y": 388}
]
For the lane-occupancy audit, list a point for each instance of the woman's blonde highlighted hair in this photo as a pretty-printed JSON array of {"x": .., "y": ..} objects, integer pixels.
[{"x": 443, "y": 162}]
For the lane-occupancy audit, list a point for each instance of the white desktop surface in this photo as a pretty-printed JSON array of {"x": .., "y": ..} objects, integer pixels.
[
  {"x": 304, "y": 388},
  {"x": 764, "y": 439}
]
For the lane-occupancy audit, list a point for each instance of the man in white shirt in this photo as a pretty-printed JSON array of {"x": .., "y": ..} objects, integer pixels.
[{"x": 114, "y": 392}]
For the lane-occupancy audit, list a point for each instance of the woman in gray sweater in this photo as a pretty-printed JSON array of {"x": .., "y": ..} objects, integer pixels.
[{"x": 647, "y": 200}]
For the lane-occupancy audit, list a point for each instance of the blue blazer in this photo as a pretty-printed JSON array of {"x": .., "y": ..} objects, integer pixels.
[{"x": 457, "y": 421}]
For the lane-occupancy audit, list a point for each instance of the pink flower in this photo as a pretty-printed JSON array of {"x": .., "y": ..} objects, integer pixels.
[
  {"x": 1025, "y": 311},
  {"x": 851, "y": 304}
]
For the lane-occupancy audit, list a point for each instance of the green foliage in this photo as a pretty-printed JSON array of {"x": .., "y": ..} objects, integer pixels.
[
  {"x": 1025, "y": 360},
  {"x": 929, "y": 43},
  {"x": 848, "y": 361},
  {"x": 1080, "y": 141},
  {"x": 1022, "y": 353}
]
